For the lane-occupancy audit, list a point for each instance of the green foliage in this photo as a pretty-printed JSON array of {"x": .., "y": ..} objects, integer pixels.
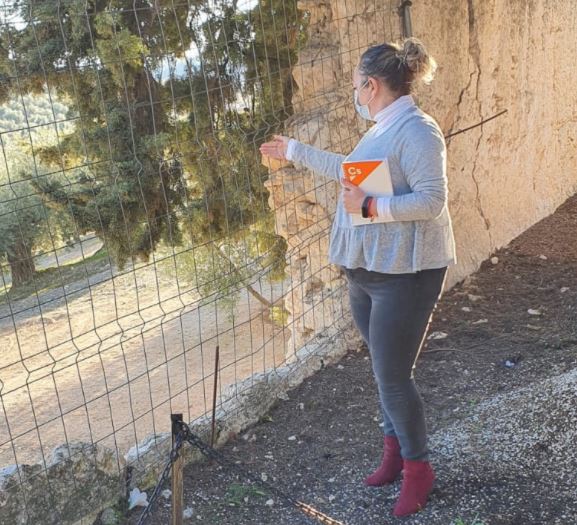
[
  {"x": 120, "y": 51},
  {"x": 220, "y": 271},
  {"x": 170, "y": 102},
  {"x": 242, "y": 93},
  {"x": 237, "y": 494},
  {"x": 101, "y": 57},
  {"x": 279, "y": 315},
  {"x": 26, "y": 222},
  {"x": 461, "y": 521}
]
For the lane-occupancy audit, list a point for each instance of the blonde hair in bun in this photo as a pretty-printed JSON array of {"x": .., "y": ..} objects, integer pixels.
[
  {"x": 417, "y": 59},
  {"x": 401, "y": 64}
]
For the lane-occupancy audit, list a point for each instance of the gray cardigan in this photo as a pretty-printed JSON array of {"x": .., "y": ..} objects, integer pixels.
[{"x": 418, "y": 233}]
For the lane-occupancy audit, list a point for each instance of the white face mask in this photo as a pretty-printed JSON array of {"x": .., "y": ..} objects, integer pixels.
[{"x": 362, "y": 109}]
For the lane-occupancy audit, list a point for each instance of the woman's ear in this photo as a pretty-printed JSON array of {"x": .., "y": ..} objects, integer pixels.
[{"x": 374, "y": 84}]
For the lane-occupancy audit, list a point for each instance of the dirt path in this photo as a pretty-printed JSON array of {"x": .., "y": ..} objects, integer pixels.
[
  {"x": 499, "y": 392},
  {"x": 91, "y": 361}
]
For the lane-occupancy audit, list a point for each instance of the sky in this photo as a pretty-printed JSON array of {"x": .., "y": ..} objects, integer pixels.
[{"x": 180, "y": 64}]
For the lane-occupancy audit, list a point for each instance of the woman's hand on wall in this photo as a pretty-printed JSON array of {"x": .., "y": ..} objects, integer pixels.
[
  {"x": 275, "y": 148},
  {"x": 353, "y": 196}
]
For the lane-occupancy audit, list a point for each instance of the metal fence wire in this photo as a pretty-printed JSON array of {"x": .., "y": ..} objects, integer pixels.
[{"x": 136, "y": 227}]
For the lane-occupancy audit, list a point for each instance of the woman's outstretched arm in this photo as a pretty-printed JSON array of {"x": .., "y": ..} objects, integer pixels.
[{"x": 322, "y": 162}]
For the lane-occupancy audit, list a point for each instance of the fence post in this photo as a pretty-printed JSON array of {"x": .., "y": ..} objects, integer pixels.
[
  {"x": 176, "y": 478},
  {"x": 214, "y": 390}
]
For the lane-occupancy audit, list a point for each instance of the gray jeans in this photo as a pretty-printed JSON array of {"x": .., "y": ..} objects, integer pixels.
[{"x": 393, "y": 312}]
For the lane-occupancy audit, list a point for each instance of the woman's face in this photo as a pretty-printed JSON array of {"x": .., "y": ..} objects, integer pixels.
[{"x": 363, "y": 87}]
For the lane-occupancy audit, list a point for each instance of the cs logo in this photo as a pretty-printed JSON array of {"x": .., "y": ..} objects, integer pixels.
[{"x": 353, "y": 172}]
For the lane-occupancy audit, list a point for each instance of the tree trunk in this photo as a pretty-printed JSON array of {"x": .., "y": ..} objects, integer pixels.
[
  {"x": 251, "y": 290},
  {"x": 258, "y": 297},
  {"x": 21, "y": 264}
]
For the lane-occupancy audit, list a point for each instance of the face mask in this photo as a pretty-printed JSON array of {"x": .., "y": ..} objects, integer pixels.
[{"x": 362, "y": 109}]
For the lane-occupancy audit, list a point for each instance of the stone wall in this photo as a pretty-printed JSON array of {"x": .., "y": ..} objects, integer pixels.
[
  {"x": 503, "y": 177},
  {"x": 513, "y": 171}
]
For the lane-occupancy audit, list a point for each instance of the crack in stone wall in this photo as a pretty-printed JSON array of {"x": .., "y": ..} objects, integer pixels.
[{"x": 474, "y": 53}]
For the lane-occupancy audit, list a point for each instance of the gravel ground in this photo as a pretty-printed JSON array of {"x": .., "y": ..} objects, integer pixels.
[{"x": 499, "y": 390}]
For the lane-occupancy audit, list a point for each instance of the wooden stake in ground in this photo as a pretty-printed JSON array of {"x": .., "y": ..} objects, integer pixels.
[
  {"x": 214, "y": 390},
  {"x": 176, "y": 477}
]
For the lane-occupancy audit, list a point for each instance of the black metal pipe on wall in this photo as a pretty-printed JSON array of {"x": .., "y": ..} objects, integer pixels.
[{"x": 405, "y": 14}]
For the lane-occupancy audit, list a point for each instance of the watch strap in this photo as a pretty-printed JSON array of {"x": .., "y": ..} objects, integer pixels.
[{"x": 365, "y": 207}]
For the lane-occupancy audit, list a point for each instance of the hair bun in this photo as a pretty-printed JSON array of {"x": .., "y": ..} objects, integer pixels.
[
  {"x": 417, "y": 59},
  {"x": 401, "y": 65}
]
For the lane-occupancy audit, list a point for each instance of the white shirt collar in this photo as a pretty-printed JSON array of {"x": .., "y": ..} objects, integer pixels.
[
  {"x": 400, "y": 105},
  {"x": 387, "y": 116}
]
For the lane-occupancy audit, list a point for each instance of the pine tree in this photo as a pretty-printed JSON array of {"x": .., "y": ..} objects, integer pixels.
[
  {"x": 170, "y": 102},
  {"x": 242, "y": 90},
  {"x": 103, "y": 58}
]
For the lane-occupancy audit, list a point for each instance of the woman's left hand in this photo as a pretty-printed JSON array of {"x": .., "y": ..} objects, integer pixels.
[{"x": 353, "y": 196}]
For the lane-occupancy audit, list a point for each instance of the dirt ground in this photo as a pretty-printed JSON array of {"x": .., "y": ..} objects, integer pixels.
[
  {"x": 513, "y": 324},
  {"x": 90, "y": 361}
]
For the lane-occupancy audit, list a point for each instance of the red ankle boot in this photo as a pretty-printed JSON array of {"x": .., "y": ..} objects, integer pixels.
[
  {"x": 391, "y": 464},
  {"x": 418, "y": 478}
]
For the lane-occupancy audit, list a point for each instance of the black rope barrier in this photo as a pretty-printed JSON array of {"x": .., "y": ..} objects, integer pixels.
[{"x": 184, "y": 434}]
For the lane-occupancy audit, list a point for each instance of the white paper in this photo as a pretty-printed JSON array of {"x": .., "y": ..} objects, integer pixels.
[{"x": 377, "y": 184}]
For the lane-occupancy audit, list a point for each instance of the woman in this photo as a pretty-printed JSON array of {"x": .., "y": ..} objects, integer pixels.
[{"x": 396, "y": 268}]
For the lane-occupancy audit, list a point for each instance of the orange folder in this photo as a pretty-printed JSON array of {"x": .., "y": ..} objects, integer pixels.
[{"x": 373, "y": 177}]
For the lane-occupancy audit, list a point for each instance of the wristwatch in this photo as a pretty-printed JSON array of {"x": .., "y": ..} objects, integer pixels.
[{"x": 365, "y": 207}]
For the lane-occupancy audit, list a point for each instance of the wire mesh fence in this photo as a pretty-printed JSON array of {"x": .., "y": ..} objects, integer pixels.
[{"x": 138, "y": 226}]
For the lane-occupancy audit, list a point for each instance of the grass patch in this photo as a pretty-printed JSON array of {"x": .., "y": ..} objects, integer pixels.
[
  {"x": 237, "y": 494},
  {"x": 51, "y": 278},
  {"x": 461, "y": 521}
]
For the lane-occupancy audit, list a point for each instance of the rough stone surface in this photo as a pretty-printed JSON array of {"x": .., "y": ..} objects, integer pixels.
[
  {"x": 304, "y": 203},
  {"x": 78, "y": 482},
  {"x": 110, "y": 516},
  {"x": 503, "y": 176},
  {"x": 515, "y": 170}
]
